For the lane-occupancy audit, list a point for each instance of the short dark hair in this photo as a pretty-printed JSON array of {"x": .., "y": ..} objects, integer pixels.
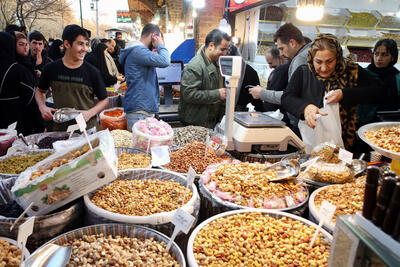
[
  {"x": 22, "y": 28},
  {"x": 104, "y": 40},
  {"x": 391, "y": 47},
  {"x": 12, "y": 28},
  {"x": 274, "y": 52},
  {"x": 72, "y": 31},
  {"x": 216, "y": 37},
  {"x": 35, "y": 35},
  {"x": 287, "y": 32},
  {"x": 307, "y": 40},
  {"x": 118, "y": 33},
  {"x": 149, "y": 29}
]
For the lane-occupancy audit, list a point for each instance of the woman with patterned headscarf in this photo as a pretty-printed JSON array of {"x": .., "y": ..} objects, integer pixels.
[{"x": 328, "y": 71}]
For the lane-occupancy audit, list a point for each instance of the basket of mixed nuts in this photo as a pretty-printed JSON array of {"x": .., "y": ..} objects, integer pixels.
[
  {"x": 119, "y": 245},
  {"x": 257, "y": 238},
  {"x": 240, "y": 185},
  {"x": 147, "y": 197},
  {"x": 348, "y": 199}
]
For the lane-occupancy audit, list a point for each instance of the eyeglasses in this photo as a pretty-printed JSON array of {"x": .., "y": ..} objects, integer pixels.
[{"x": 23, "y": 44}]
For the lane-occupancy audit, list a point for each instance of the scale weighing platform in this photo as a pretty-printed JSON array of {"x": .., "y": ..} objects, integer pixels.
[
  {"x": 243, "y": 130},
  {"x": 258, "y": 129}
]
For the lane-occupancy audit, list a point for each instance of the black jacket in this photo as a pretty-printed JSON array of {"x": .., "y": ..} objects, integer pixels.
[
  {"x": 17, "y": 95},
  {"x": 97, "y": 59},
  {"x": 304, "y": 88},
  {"x": 250, "y": 78}
]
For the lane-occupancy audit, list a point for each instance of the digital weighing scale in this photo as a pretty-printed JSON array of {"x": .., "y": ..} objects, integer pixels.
[{"x": 244, "y": 130}]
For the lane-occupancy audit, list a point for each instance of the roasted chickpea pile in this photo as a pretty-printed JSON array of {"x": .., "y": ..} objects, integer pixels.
[
  {"x": 141, "y": 197},
  {"x": 10, "y": 255},
  {"x": 248, "y": 185},
  {"x": 100, "y": 250},
  {"x": 132, "y": 161},
  {"x": 193, "y": 155},
  {"x": 253, "y": 239},
  {"x": 348, "y": 198}
]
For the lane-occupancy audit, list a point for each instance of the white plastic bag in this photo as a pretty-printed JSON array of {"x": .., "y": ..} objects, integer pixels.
[{"x": 327, "y": 128}]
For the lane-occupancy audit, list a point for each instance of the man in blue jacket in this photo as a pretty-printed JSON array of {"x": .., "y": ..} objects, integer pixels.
[{"x": 142, "y": 97}]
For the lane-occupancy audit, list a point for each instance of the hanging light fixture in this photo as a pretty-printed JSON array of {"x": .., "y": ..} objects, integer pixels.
[{"x": 310, "y": 10}]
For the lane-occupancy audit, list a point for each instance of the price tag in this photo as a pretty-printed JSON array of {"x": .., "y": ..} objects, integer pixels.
[
  {"x": 71, "y": 129},
  {"x": 345, "y": 156},
  {"x": 24, "y": 231},
  {"x": 190, "y": 177},
  {"x": 189, "y": 182},
  {"x": 81, "y": 122},
  {"x": 82, "y": 126},
  {"x": 327, "y": 211},
  {"x": 183, "y": 221},
  {"x": 160, "y": 155},
  {"x": 12, "y": 126}
]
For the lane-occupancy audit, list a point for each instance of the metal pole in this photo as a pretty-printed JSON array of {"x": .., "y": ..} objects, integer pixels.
[
  {"x": 166, "y": 18},
  {"x": 97, "y": 18},
  {"x": 80, "y": 7}
]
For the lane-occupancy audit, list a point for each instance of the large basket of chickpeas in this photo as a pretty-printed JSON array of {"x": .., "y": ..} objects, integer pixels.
[
  {"x": 257, "y": 238},
  {"x": 119, "y": 245},
  {"x": 147, "y": 197}
]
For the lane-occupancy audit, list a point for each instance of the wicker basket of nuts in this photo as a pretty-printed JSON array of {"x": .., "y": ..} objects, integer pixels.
[
  {"x": 142, "y": 196},
  {"x": 257, "y": 238},
  {"x": 119, "y": 245},
  {"x": 238, "y": 185},
  {"x": 10, "y": 254},
  {"x": 348, "y": 199}
]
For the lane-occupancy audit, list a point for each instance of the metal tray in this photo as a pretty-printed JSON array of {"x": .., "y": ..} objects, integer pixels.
[
  {"x": 121, "y": 230},
  {"x": 374, "y": 127}
]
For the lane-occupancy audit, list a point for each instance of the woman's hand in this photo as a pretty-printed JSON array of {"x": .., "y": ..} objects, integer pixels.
[
  {"x": 310, "y": 115},
  {"x": 121, "y": 78},
  {"x": 334, "y": 97}
]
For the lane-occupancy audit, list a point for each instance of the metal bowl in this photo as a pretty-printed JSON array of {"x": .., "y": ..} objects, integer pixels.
[{"x": 119, "y": 230}]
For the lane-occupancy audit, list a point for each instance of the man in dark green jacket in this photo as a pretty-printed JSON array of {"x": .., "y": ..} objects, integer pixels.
[{"x": 203, "y": 94}]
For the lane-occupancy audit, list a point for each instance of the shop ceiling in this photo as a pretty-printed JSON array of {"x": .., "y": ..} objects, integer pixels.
[
  {"x": 148, "y": 8},
  {"x": 383, "y": 6}
]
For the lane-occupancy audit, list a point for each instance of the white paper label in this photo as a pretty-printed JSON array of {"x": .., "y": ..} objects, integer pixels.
[
  {"x": 183, "y": 220},
  {"x": 12, "y": 126},
  {"x": 81, "y": 122},
  {"x": 327, "y": 211},
  {"x": 72, "y": 128},
  {"x": 345, "y": 156},
  {"x": 190, "y": 177},
  {"x": 160, "y": 155},
  {"x": 24, "y": 231}
]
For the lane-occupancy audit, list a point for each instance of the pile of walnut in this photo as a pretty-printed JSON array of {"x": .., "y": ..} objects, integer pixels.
[
  {"x": 10, "y": 255},
  {"x": 141, "y": 197},
  {"x": 100, "y": 250},
  {"x": 254, "y": 239}
]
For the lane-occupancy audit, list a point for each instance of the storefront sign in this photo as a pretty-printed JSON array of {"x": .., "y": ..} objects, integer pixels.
[{"x": 123, "y": 16}]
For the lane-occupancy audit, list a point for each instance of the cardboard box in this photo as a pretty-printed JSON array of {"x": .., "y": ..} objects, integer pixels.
[{"x": 86, "y": 172}]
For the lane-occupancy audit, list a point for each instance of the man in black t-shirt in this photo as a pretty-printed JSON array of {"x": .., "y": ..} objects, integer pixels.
[{"x": 74, "y": 83}]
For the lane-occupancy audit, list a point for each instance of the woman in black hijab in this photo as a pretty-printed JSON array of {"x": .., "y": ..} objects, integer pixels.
[
  {"x": 17, "y": 101},
  {"x": 55, "y": 52},
  {"x": 98, "y": 59},
  {"x": 382, "y": 68}
]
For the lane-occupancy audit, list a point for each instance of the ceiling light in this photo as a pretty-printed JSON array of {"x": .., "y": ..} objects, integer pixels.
[
  {"x": 198, "y": 3},
  {"x": 239, "y": 1},
  {"x": 310, "y": 10}
]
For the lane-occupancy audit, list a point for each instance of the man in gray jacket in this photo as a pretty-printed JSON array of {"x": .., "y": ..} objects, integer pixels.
[{"x": 291, "y": 45}]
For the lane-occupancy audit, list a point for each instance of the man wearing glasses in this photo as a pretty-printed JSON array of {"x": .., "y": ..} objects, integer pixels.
[{"x": 202, "y": 90}]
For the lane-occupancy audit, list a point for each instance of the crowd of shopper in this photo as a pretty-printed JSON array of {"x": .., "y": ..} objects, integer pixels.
[{"x": 307, "y": 76}]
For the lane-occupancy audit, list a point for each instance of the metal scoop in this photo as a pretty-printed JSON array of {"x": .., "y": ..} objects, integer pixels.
[
  {"x": 285, "y": 169},
  {"x": 50, "y": 255},
  {"x": 26, "y": 141},
  {"x": 65, "y": 114}
]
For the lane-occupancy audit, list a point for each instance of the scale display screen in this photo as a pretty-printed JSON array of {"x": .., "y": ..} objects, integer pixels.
[
  {"x": 171, "y": 74},
  {"x": 226, "y": 66}
]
